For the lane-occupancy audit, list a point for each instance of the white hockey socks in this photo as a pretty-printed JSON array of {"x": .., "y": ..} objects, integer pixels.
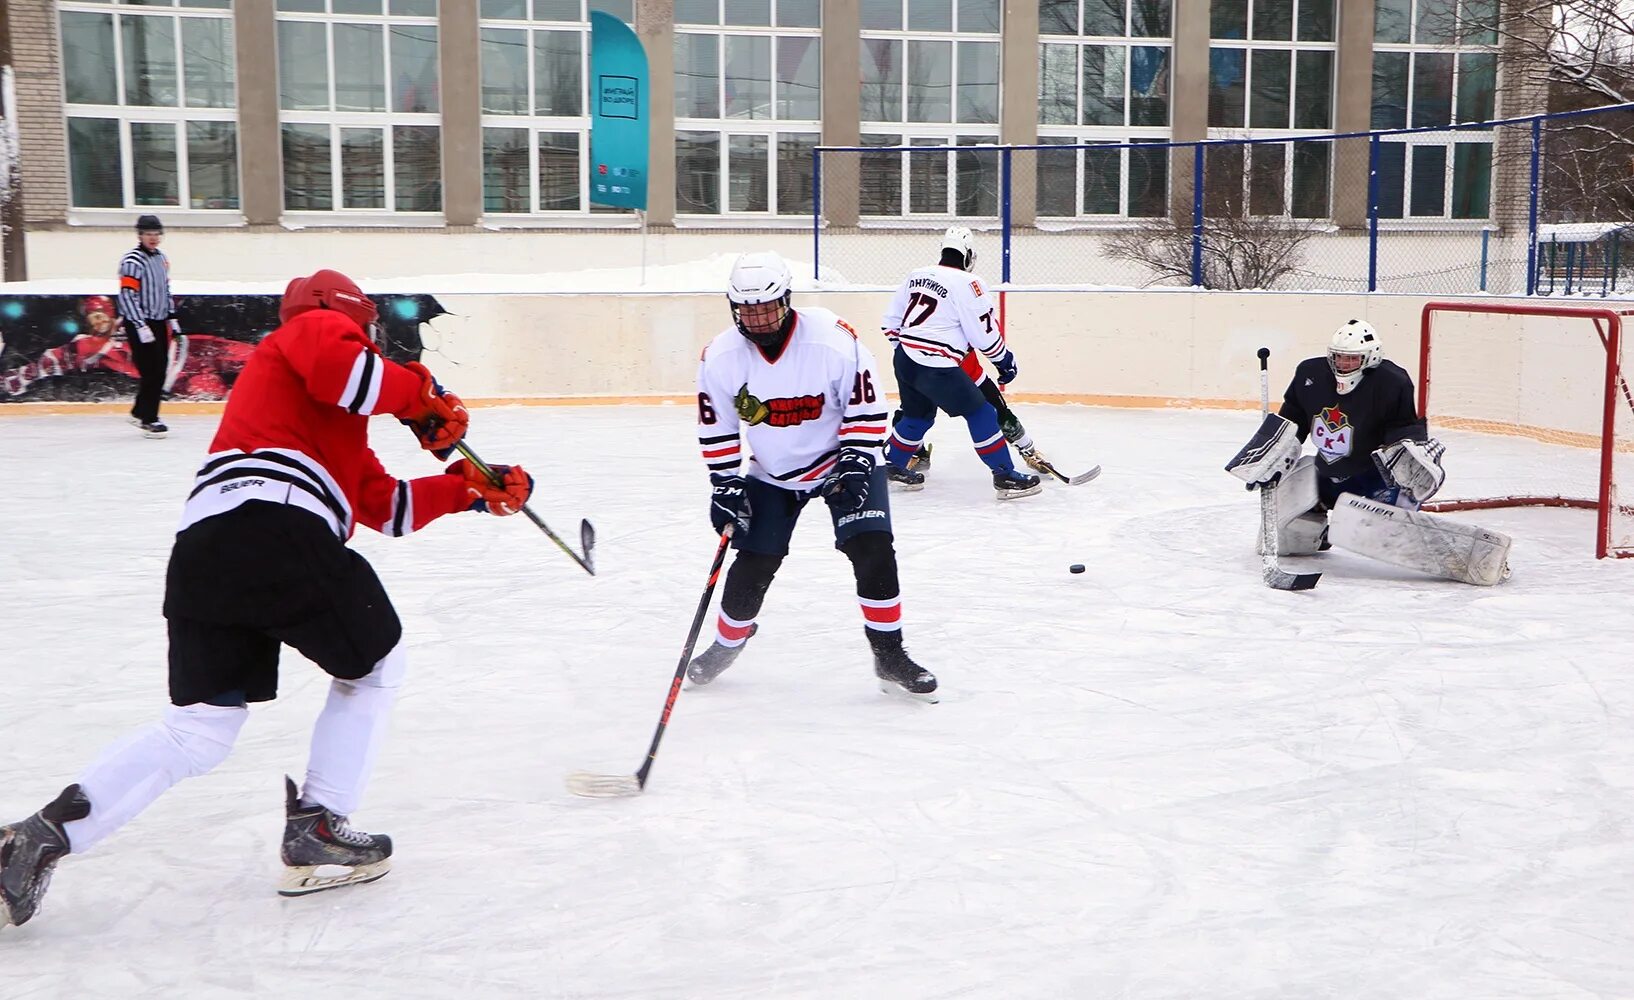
[
  {"x": 1439, "y": 546},
  {"x": 133, "y": 772},
  {"x": 348, "y": 734}
]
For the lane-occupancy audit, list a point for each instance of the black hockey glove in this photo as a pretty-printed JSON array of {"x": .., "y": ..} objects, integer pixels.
[
  {"x": 1006, "y": 367},
  {"x": 729, "y": 504},
  {"x": 846, "y": 488}
]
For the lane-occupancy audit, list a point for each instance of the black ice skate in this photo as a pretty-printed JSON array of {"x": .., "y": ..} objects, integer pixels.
[
  {"x": 712, "y": 662},
  {"x": 906, "y": 480},
  {"x": 322, "y": 851},
  {"x": 897, "y": 672},
  {"x": 30, "y": 850},
  {"x": 1012, "y": 485},
  {"x": 154, "y": 429}
]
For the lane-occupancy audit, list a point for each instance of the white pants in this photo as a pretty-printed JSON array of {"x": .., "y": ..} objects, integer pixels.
[{"x": 190, "y": 740}]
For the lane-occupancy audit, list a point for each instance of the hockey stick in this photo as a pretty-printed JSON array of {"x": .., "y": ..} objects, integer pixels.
[
  {"x": 1275, "y": 576},
  {"x": 613, "y": 786},
  {"x": 587, "y": 533},
  {"x": 1030, "y": 455}
]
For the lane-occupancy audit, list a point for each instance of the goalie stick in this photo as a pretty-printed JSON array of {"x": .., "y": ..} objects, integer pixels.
[
  {"x": 587, "y": 532},
  {"x": 613, "y": 786},
  {"x": 1275, "y": 576}
]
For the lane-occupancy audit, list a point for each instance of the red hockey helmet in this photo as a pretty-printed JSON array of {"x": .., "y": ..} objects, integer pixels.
[{"x": 327, "y": 289}]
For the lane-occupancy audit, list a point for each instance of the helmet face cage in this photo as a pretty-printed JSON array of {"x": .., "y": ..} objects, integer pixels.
[
  {"x": 764, "y": 323},
  {"x": 1353, "y": 349},
  {"x": 758, "y": 293}
]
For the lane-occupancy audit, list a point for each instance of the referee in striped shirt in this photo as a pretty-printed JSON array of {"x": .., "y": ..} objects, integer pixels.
[{"x": 144, "y": 305}]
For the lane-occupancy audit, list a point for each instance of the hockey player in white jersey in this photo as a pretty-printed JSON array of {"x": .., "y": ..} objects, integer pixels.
[
  {"x": 937, "y": 316},
  {"x": 801, "y": 388},
  {"x": 1375, "y": 465}
]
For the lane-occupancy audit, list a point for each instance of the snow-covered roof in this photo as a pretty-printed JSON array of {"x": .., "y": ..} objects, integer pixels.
[{"x": 1580, "y": 232}]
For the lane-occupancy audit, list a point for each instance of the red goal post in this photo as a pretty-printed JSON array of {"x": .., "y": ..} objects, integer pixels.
[{"x": 1572, "y": 407}]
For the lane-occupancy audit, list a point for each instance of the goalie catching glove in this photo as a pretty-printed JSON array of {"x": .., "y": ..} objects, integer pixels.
[
  {"x": 440, "y": 419},
  {"x": 1268, "y": 455},
  {"x": 513, "y": 490},
  {"x": 1414, "y": 466}
]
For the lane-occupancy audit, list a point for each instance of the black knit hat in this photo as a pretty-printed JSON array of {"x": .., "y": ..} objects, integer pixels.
[{"x": 149, "y": 224}]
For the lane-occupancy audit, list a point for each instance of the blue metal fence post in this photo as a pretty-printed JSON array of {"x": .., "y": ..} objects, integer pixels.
[
  {"x": 1373, "y": 213},
  {"x": 1532, "y": 214},
  {"x": 1004, "y": 193},
  {"x": 1614, "y": 267},
  {"x": 1197, "y": 216},
  {"x": 1486, "y": 240},
  {"x": 816, "y": 209}
]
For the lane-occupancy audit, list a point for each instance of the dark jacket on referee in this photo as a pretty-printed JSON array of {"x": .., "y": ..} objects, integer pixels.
[{"x": 144, "y": 305}]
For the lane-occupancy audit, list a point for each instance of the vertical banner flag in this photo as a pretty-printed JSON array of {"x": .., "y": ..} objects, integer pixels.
[{"x": 618, "y": 114}]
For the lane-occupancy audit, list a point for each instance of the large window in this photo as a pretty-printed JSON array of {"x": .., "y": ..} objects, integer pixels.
[
  {"x": 1435, "y": 63},
  {"x": 150, "y": 103},
  {"x": 535, "y": 123},
  {"x": 1103, "y": 77},
  {"x": 930, "y": 77},
  {"x": 748, "y": 100},
  {"x": 358, "y": 89},
  {"x": 1271, "y": 65}
]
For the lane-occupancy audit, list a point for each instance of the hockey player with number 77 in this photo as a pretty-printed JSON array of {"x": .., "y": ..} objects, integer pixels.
[
  {"x": 260, "y": 561},
  {"x": 800, "y": 386},
  {"x": 1375, "y": 465}
]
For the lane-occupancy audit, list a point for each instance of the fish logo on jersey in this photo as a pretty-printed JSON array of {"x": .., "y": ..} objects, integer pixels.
[
  {"x": 783, "y": 411},
  {"x": 1331, "y": 433}
]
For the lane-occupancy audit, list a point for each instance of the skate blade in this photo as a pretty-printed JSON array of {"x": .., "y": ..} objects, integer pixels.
[
  {"x": 1032, "y": 490},
  {"x": 603, "y": 786},
  {"x": 929, "y": 698},
  {"x": 906, "y": 487},
  {"x": 303, "y": 880}
]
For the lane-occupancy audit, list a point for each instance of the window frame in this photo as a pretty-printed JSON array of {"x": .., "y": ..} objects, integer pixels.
[
  {"x": 125, "y": 115},
  {"x": 386, "y": 120}
]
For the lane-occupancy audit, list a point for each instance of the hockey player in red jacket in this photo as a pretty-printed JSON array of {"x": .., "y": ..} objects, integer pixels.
[{"x": 260, "y": 561}]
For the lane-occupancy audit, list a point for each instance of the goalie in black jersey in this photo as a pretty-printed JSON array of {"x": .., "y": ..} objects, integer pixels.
[{"x": 1375, "y": 465}]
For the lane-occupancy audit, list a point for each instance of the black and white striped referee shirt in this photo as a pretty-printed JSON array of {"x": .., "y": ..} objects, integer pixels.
[{"x": 144, "y": 287}]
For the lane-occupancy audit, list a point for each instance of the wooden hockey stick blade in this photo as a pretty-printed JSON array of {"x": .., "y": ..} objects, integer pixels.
[
  {"x": 603, "y": 786},
  {"x": 1082, "y": 477}
]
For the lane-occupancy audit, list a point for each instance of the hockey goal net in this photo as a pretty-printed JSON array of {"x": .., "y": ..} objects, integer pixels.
[{"x": 1534, "y": 406}]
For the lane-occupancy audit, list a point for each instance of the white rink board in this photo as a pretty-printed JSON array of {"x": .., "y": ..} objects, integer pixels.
[{"x": 1158, "y": 779}]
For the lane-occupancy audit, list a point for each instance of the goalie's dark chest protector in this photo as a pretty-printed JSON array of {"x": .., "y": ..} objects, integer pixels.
[{"x": 1347, "y": 428}]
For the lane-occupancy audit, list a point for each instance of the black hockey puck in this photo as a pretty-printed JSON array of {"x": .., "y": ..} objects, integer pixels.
[{"x": 1076, "y": 568}]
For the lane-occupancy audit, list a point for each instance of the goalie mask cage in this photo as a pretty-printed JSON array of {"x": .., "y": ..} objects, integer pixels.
[{"x": 1534, "y": 406}]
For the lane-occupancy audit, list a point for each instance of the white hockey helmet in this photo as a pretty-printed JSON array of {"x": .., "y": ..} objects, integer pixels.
[
  {"x": 758, "y": 291},
  {"x": 1353, "y": 349},
  {"x": 958, "y": 238}
]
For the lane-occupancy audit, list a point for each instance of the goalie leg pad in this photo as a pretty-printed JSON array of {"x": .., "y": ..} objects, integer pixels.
[
  {"x": 1414, "y": 539},
  {"x": 1300, "y": 528}
]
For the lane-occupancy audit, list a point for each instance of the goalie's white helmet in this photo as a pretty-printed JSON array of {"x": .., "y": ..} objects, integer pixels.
[
  {"x": 1353, "y": 349},
  {"x": 758, "y": 291},
  {"x": 958, "y": 238}
]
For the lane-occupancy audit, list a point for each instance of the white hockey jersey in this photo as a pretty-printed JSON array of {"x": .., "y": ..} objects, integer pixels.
[
  {"x": 939, "y": 313},
  {"x": 797, "y": 412}
]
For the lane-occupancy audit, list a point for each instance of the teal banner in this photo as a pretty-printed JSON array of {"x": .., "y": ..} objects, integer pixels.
[{"x": 618, "y": 114}]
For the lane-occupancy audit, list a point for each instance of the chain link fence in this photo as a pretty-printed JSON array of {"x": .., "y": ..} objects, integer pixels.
[{"x": 1538, "y": 205}]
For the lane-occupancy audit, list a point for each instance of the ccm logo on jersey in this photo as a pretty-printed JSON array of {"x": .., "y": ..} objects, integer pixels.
[
  {"x": 1331, "y": 433},
  {"x": 859, "y": 515},
  {"x": 784, "y": 411}
]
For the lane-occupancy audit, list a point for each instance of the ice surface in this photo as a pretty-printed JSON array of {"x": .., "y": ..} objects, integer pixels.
[{"x": 1158, "y": 779}]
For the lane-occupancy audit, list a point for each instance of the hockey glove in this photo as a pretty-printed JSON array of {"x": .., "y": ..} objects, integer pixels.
[
  {"x": 1272, "y": 451},
  {"x": 1415, "y": 466},
  {"x": 1007, "y": 367},
  {"x": 507, "y": 498},
  {"x": 439, "y": 419},
  {"x": 729, "y": 504},
  {"x": 846, "y": 488}
]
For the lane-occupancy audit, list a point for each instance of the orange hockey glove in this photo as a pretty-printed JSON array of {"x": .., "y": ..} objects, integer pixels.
[
  {"x": 440, "y": 420},
  {"x": 507, "y": 498}
]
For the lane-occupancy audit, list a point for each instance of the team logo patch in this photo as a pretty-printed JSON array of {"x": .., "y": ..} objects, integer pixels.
[
  {"x": 784, "y": 411},
  {"x": 1331, "y": 433},
  {"x": 976, "y": 287}
]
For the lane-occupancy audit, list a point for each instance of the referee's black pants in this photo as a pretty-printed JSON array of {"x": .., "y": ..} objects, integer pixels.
[{"x": 152, "y": 362}]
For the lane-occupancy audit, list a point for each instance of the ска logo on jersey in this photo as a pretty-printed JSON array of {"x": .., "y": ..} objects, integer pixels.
[
  {"x": 1331, "y": 433},
  {"x": 784, "y": 411}
]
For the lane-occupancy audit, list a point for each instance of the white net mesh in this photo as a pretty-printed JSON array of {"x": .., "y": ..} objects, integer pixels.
[{"x": 1520, "y": 400}]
